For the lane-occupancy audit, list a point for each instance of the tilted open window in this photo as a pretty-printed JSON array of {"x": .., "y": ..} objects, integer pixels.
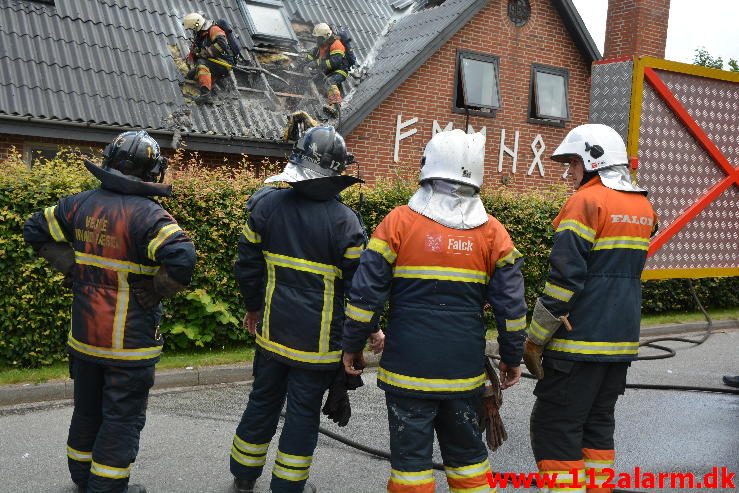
[
  {"x": 477, "y": 84},
  {"x": 267, "y": 20},
  {"x": 548, "y": 95}
]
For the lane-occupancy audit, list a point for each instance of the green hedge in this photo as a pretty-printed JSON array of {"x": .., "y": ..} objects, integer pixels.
[{"x": 209, "y": 205}]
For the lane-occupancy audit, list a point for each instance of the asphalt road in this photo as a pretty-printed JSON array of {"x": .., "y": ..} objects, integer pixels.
[{"x": 185, "y": 444}]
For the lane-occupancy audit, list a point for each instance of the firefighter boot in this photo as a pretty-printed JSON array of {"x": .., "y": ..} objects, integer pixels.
[
  {"x": 244, "y": 485},
  {"x": 206, "y": 96},
  {"x": 731, "y": 381},
  {"x": 308, "y": 488}
]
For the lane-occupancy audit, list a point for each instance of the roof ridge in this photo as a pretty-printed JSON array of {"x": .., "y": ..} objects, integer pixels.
[
  {"x": 86, "y": 94},
  {"x": 88, "y": 69}
]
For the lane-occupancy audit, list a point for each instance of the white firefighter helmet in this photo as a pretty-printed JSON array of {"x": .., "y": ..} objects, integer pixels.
[
  {"x": 602, "y": 150},
  {"x": 454, "y": 156},
  {"x": 322, "y": 30},
  {"x": 194, "y": 22}
]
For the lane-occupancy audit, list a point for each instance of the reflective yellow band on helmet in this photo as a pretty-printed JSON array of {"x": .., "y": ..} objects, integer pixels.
[
  {"x": 558, "y": 292},
  {"x": 509, "y": 259},
  {"x": 247, "y": 460},
  {"x": 114, "y": 264},
  {"x": 516, "y": 324},
  {"x": 138, "y": 354},
  {"x": 588, "y": 347},
  {"x": 251, "y": 236},
  {"x": 302, "y": 264},
  {"x": 435, "y": 273},
  {"x": 290, "y": 474},
  {"x": 353, "y": 252},
  {"x": 78, "y": 455},
  {"x": 430, "y": 384},
  {"x": 578, "y": 228},
  {"x": 358, "y": 314},
  {"x": 160, "y": 238},
  {"x": 297, "y": 355},
  {"x": 411, "y": 478},
  {"x": 381, "y": 247},
  {"x": 110, "y": 472},
  {"x": 54, "y": 228},
  {"x": 627, "y": 242}
]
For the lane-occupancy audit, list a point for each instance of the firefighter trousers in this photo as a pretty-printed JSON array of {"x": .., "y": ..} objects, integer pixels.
[
  {"x": 274, "y": 382},
  {"x": 572, "y": 422},
  {"x": 412, "y": 424},
  {"x": 109, "y": 414}
]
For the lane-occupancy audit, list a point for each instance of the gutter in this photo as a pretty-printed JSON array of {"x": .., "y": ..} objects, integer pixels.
[{"x": 94, "y": 132}]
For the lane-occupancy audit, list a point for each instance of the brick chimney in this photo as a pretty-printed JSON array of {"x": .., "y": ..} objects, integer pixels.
[{"x": 636, "y": 27}]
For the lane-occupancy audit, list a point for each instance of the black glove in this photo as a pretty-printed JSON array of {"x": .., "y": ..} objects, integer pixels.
[
  {"x": 145, "y": 294},
  {"x": 337, "y": 407}
]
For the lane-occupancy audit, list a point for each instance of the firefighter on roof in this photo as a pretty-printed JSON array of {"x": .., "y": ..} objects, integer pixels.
[
  {"x": 121, "y": 253},
  {"x": 210, "y": 55},
  {"x": 297, "y": 256},
  {"x": 439, "y": 259},
  {"x": 330, "y": 56},
  {"x": 586, "y": 322}
]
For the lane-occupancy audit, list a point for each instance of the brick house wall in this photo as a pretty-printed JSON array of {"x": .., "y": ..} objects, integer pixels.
[{"x": 429, "y": 94}]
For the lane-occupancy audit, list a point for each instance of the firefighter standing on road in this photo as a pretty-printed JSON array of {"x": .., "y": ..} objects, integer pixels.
[
  {"x": 297, "y": 255},
  {"x": 439, "y": 259},
  {"x": 600, "y": 247},
  {"x": 210, "y": 55},
  {"x": 121, "y": 252},
  {"x": 331, "y": 58}
]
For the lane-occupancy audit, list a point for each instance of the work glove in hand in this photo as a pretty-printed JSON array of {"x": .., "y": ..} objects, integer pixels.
[
  {"x": 337, "y": 407},
  {"x": 489, "y": 414},
  {"x": 146, "y": 295},
  {"x": 532, "y": 358}
]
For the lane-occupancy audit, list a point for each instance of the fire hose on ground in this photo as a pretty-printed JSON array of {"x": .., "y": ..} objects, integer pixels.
[{"x": 383, "y": 454}]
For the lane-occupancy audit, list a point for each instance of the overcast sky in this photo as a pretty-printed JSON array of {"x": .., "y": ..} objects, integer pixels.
[{"x": 713, "y": 24}]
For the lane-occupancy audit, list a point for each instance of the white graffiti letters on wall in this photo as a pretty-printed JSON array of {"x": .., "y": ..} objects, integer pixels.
[{"x": 538, "y": 146}]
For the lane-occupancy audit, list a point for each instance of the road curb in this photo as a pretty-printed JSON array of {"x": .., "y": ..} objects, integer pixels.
[{"x": 11, "y": 395}]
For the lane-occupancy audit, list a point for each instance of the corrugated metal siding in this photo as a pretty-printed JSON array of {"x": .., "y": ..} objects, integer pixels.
[{"x": 108, "y": 62}]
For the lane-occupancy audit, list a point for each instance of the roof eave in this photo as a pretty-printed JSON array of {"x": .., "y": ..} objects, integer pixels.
[
  {"x": 578, "y": 30},
  {"x": 357, "y": 117},
  {"x": 60, "y": 129}
]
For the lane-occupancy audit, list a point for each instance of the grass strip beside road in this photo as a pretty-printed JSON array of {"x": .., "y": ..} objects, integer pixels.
[{"x": 169, "y": 361}]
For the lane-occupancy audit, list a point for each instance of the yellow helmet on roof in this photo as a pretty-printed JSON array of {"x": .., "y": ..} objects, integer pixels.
[
  {"x": 322, "y": 30},
  {"x": 193, "y": 21}
]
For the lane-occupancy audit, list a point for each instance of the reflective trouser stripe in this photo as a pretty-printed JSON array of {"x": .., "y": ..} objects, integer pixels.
[
  {"x": 595, "y": 461},
  {"x": 289, "y": 474},
  {"x": 469, "y": 479},
  {"x": 110, "y": 472},
  {"x": 249, "y": 454},
  {"x": 565, "y": 480},
  {"x": 78, "y": 455},
  {"x": 411, "y": 481}
]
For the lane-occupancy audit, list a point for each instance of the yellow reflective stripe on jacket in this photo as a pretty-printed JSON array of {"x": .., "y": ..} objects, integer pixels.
[
  {"x": 441, "y": 273},
  {"x": 558, "y": 292},
  {"x": 78, "y": 455},
  {"x": 136, "y": 354},
  {"x": 110, "y": 471},
  {"x": 121, "y": 310},
  {"x": 114, "y": 264},
  {"x": 327, "y": 314},
  {"x": 297, "y": 355},
  {"x": 247, "y": 460},
  {"x": 302, "y": 264},
  {"x": 509, "y": 259},
  {"x": 466, "y": 472},
  {"x": 54, "y": 228},
  {"x": 430, "y": 384},
  {"x": 628, "y": 242},
  {"x": 160, "y": 238},
  {"x": 381, "y": 247},
  {"x": 358, "y": 314},
  {"x": 515, "y": 324},
  {"x": 411, "y": 478},
  {"x": 354, "y": 252},
  {"x": 268, "y": 293},
  {"x": 588, "y": 347},
  {"x": 250, "y": 235},
  {"x": 294, "y": 461},
  {"x": 342, "y": 72},
  {"x": 578, "y": 228}
]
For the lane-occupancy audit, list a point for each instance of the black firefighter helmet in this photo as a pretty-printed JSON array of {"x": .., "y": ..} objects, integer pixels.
[
  {"x": 136, "y": 153},
  {"x": 316, "y": 164}
]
